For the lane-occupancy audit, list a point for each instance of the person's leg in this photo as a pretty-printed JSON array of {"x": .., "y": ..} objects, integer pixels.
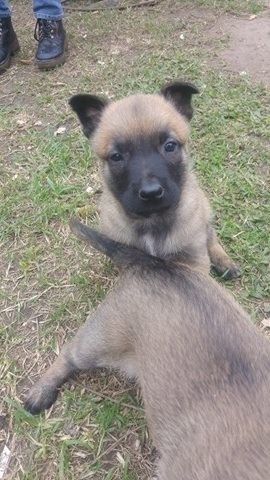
[
  {"x": 50, "y": 33},
  {"x": 8, "y": 40},
  {"x": 4, "y": 9},
  {"x": 48, "y": 9}
]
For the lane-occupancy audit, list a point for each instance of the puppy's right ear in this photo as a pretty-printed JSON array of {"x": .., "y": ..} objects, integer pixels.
[{"x": 89, "y": 109}]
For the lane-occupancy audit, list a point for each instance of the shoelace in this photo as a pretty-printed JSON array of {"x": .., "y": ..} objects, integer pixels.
[{"x": 44, "y": 29}]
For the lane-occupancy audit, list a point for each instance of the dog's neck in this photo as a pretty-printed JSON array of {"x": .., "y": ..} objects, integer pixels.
[
  {"x": 148, "y": 233},
  {"x": 152, "y": 233},
  {"x": 171, "y": 233}
]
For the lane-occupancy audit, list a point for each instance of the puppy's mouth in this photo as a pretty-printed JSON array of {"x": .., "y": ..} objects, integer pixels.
[{"x": 151, "y": 209}]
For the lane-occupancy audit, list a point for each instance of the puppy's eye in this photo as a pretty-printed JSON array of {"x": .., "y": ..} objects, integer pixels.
[
  {"x": 170, "y": 146},
  {"x": 116, "y": 157}
]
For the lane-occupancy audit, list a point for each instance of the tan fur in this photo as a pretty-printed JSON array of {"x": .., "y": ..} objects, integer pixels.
[
  {"x": 202, "y": 366},
  {"x": 137, "y": 115}
]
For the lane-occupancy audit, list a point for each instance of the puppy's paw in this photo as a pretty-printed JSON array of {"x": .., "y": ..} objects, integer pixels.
[
  {"x": 40, "y": 397},
  {"x": 232, "y": 272},
  {"x": 227, "y": 270}
]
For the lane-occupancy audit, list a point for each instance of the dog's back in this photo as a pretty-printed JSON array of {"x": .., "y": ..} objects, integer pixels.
[
  {"x": 204, "y": 372},
  {"x": 203, "y": 367}
]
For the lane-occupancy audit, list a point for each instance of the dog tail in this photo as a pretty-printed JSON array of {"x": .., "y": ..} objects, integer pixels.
[{"x": 122, "y": 255}]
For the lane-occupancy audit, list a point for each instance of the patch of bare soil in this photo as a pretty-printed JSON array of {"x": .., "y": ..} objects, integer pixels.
[
  {"x": 240, "y": 44},
  {"x": 248, "y": 51}
]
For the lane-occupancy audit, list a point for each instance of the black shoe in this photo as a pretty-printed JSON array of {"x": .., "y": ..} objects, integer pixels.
[
  {"x": 8, "y": 43},
  {"x": 52, "y": 43}
]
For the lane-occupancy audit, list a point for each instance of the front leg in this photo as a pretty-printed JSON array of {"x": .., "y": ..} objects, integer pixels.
[
  {"x": 90, "y": 348},
  {"x": 44, "y": 393},
  {"x": 220, "y": 261}
]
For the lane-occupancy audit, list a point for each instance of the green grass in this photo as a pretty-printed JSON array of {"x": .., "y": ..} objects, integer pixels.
[
  {"x": 50, "y": 281},
  {"x": 102, "y": 421},
  {"x": 240, "y": 6}
]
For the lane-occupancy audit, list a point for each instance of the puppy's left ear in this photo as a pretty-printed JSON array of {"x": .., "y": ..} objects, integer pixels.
[
  {"x": 180, "y": 94},
  {"x": 89, "y": 109}
]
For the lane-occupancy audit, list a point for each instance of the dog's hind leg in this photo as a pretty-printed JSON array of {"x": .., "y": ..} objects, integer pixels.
[{"x": 220, "y": 261}]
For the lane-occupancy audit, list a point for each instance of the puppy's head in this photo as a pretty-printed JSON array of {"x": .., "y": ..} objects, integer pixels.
[{"x": 141, "y": 140}]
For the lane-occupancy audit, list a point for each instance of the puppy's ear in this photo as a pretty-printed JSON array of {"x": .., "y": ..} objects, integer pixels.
[
  {"x": 89, "y": 109},
  {"x": 180, "y": 93}
]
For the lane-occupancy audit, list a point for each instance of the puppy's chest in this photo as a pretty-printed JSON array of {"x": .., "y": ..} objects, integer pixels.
[
  {"x": 149, "y": 244},
  {"x": 154, "y": 245}
]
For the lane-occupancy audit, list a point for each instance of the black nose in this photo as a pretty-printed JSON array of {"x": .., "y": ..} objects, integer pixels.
[{"x": 151, "y": 191}]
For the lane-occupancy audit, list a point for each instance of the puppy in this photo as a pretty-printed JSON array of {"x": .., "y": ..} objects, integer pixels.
[
  {"x": 202, "y": 366},
  {"x": 151, "y": 198}
]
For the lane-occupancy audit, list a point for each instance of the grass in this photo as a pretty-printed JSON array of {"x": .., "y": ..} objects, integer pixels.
[
  {"x": 241, "y": 6},
  {"x": 49, "y": 280}
]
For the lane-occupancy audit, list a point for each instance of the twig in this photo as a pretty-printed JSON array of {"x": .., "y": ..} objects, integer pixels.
[
  {"x": 25, "y": 300},
  {"x": 103, "y": 6},
  {"x": 107, "y": 397},
  {"x": 112, "y": 447}
]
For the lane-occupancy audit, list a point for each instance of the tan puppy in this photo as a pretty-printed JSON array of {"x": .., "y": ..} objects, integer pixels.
[
  {"x": 202, "y": 366},
  {"x": 151, "y": 198}
]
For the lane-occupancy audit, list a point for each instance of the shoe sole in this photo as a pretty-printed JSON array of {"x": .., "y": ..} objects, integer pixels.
[
  {"x": 14, "y": 48},
  {"x": 54, "y": 62}
]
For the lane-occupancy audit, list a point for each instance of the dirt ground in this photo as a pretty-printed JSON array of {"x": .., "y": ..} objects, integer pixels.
[{"x": 248, "y": 49}]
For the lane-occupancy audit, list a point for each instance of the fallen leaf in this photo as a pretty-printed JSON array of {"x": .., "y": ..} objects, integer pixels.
[
  {"x": 26, "y": 61},
  {"x": 89, "y": 190},
  {"x": 4, "y": 460},
  {"x": 266, "y": 307},
  {"x": 137, "y": 444},
  {"x": 60, "y": 131},
  {"x": 120, "y": 459},
  {"x": 80, "y": 454},
  {"x": 266, "y": 323},
  {"x": 65, "y": 437},
  {"x": 21, "y": 123}
]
